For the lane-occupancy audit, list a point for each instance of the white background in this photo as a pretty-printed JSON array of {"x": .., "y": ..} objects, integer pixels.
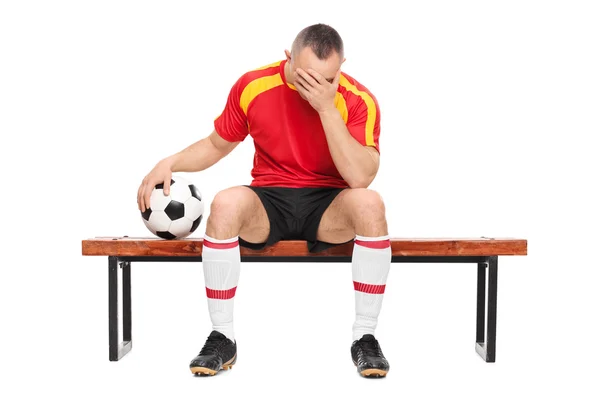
[{"x": 490, "y": 115}]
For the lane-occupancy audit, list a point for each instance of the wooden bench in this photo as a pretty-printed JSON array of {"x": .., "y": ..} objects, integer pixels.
[{"x": 122, "y": 251}]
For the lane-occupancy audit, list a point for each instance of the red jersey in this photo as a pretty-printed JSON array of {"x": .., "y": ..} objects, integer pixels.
[{"x": 291, "y": 148}]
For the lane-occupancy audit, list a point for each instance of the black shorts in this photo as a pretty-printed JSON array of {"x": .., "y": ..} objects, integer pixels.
[{"x": 294, "y": 214}]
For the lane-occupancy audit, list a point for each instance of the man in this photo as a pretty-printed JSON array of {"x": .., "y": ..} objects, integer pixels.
[{"x": 316, "y": 135}]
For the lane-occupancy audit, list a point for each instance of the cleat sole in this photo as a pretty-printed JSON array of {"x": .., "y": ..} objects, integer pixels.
[
  {"x": 374, "y": 372},
  {"x": 207, "y": 371},
  {"x": 230, "y": 363},
  {"x": 203, "y": 371}
]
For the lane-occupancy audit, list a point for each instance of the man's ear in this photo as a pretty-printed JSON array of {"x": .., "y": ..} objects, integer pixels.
[{"x": 288, "y": 55}]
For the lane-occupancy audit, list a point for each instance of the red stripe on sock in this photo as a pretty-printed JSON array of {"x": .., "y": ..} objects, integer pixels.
[
  {"x": 220, "y": 246},
  {"x": 375, "y": 244},
  {"x": 368, "y": 288},
  {"x": 220, "y": 294}
]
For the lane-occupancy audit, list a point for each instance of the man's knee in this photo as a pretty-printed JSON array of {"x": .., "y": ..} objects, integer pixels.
[
  {"x": 367, "y": 212},
  {"x": 366, "y": 202},
  {"x": 229, "y": 208}
]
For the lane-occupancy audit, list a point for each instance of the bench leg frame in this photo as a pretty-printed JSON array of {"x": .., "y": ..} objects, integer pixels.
[
  {"x": 487, "y": 284},
  {"x": 485, "y": 339},
  {"x": 117, "y": 348}
]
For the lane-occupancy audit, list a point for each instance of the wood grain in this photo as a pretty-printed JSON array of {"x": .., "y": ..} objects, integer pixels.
[{"x": 145, "y": 246}]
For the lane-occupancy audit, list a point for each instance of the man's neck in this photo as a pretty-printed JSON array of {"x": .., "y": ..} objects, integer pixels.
[{"x": 287, "y": 70}]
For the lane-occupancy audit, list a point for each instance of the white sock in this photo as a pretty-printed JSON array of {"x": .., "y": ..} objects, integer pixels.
[
  {"x": 221, "y": 264},
  {"x": 371, "y": 261}
]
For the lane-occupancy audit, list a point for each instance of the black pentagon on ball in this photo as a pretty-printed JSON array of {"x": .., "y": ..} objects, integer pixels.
[
  {"x": 161, "y": 185},
  {"x": 195, "y": 192},
  {"x": 196, "y": 223},
  {"x": 175, "y": 210},
  {"x": 146, "y": 214},
  {"x": 165, "y": 235}
]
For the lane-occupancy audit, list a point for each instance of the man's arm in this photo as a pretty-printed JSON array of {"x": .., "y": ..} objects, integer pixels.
[
  {"x": 232, "y": 127},
  {"x": 196, "y": 157},
  {"x": 200, "y": 155},
  {"x": 356, "y": 163}
]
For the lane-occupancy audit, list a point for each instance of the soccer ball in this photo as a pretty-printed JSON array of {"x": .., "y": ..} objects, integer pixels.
[{"x": 177, "y": 215}]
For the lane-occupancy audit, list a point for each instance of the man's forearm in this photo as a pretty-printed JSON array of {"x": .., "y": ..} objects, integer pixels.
[
  {"x": 353, "y": 161},
  {"x": 196, "y": 157}
]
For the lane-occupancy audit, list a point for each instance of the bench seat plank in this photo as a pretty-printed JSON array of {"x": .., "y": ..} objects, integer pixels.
[{"x": 149, "y": 246}]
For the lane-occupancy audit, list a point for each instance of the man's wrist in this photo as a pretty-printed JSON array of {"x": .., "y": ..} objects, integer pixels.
[
  {"x": 170, "y": 161},
  {"x": 328, "y": 112}
]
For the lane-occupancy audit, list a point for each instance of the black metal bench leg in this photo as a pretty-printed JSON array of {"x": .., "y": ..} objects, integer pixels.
[
  {"x": 116, "y": 348},
  {"x": 485, "y": 339}
]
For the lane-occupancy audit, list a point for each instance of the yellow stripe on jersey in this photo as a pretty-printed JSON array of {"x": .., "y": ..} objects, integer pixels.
[
  {"x": 371, "y": 109},
  {"x": 275, "y": 64},
  {"x": 340, "y": 104},
  {"x": 257, "y": 87}
]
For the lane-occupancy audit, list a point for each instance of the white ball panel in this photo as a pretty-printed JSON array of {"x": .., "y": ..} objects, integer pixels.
[
  {"x": 193, "y": 208},
  {"x": 180, "y": 192},
  {"x": 181, "y": 227},
  {"x": 159, "y": 221},
  {"x": 158, "y": 201},
  {"x": 181, "y": 180},
  {"x": 149, "y": 226}
]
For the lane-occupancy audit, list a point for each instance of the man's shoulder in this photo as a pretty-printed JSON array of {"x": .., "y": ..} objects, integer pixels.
[
  {"x": 353, "y": 90},
  {"x": 351, "y": 85},
  {"x": 260, "y": 72}
]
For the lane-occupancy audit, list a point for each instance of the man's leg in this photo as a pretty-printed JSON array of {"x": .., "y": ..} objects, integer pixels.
[
  {"x": 235, "y": 212},
  {"x": 360, "y": 214}
]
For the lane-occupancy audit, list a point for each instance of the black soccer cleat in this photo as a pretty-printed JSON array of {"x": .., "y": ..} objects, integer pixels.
[
  {"x": 218, "y": 353},
  {"x": 368, "y": 357}
]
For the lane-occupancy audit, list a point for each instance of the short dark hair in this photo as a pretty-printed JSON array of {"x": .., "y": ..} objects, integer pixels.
[{"x": 322, "y": 40}]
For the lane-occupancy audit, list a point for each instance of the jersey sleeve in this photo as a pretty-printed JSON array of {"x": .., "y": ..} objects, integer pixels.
[
  {"x": 364, "y": 119},
  {"x": 232, "y": 124}
]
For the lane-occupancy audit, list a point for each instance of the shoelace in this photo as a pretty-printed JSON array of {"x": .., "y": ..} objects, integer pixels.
[
  {"x": 212, "y": 345},
  {"x": 370, "y": 348}
]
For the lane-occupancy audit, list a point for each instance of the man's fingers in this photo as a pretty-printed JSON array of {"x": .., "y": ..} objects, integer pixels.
[
  {"x": 302, "y": 89},
  {"x": 143, "y": 199},
  {"x": 336, "y": 80},
  {"x": 300, "y": 80},
  {"x": 167, "y": 186},
  {"x": 317, "y": 77},
  {"x": 139, "y": 197},
  {"x": 307, "y": 77},
  {"x": 147, "y": 193},
  {"x": 306, "y": 87},
  {"x": 301, "y": 83}
]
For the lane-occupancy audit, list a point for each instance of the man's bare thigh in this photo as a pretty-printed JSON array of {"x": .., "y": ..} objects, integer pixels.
[
  {"x": 336, "y": 224},
  {"x": 354, "y": 211},
  {"x": 255, "y": 227},
  {"x": 238, "y": 211}
]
